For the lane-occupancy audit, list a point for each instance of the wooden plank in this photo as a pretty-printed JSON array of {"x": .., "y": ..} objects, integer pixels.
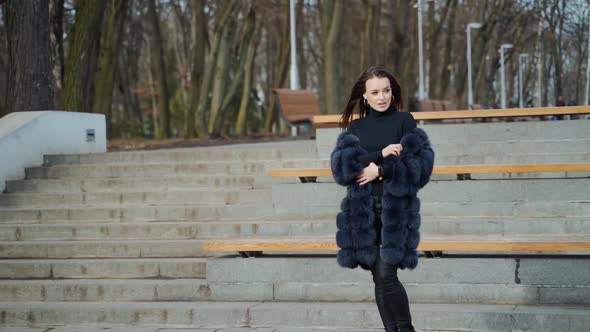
[
  {"x": 333, "y": 120},
  {"x": 452, "y": 169},
  {"x": 574, "y": 244}
]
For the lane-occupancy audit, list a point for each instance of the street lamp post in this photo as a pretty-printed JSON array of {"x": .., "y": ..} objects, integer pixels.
[
  {"x": 421, "y": 90},
  {"x": 521, "y": 56},
  {"x": 470, "y": 26},
  {"x": 502, "y": 83},
  {"x": 294, "y": 72},
  {"x": 294, "y": 79}
]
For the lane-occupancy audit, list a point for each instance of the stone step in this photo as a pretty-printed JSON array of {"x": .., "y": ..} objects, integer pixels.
[
  {"x": 319, "y": 315},
  {"x": 136, "y": 213},
  {"x": 486, "y": 198},
  {"x": 123, "y": 290},
  {"x": 475, "y": 133},
  {"x": 530, "y": 158},
  {"x": 152, "y": 198},
  {"x": 144, "y": 248},
  {"x": 165, "y": 230},
  {"x": 540, "y": 209},
  {"x": 71, "y": 185},
  {"x": 514, "y": 190},
  {"x": 86, "y": 171},
  {"x": 172, "y": 230},
  {"x": 104, "y": 268},
  {"x": 445, "y": 280},
  {"x": 518, "y": 147},
  {"x": 451, "y": 269},
  {"x": 238, "y": 153}
]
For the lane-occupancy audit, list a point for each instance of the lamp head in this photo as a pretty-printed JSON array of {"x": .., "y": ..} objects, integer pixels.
[{"x": 474, "y": 25}]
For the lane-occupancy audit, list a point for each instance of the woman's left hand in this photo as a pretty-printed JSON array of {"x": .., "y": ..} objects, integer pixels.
[{"x": 368, "y": 174}]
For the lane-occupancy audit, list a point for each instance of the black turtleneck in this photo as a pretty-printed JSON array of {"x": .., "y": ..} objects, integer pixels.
[{"x": 376, "y": 131}]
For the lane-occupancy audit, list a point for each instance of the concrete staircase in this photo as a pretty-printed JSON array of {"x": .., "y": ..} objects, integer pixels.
[{"x": 115, "y": 239}]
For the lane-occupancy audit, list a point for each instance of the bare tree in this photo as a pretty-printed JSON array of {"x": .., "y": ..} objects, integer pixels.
[
  {"x": 81, "y": 62},
  {"x": 30, "y": 84},
  {"x": 159, "y": 69}
]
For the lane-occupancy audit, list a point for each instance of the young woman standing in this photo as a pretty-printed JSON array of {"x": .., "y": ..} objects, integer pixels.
[{"x": 383, "y": 160}]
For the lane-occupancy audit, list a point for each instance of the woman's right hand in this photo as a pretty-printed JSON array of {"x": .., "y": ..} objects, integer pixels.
[{"x": 392, "y": 149}]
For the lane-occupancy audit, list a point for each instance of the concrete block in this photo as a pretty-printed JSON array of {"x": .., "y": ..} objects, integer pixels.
[
  {"x": 547, "y": 271},
  {"x": 326, "y": 270},
  {"x": 101, "y": 249},
  {"x": 236, "y": 196}
]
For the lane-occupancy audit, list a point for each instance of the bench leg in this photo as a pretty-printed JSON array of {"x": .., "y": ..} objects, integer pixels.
[
  {"x": 464, "y": 176},
  {"x": 308, "y": 179},
  {"x": 432, "y": 254},
  {"x": 247, "y": 254}
]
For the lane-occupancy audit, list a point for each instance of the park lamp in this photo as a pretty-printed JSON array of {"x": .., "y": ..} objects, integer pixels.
[
  {"x": 472, "y": 25},
  {"x": 502, "y": 79}
]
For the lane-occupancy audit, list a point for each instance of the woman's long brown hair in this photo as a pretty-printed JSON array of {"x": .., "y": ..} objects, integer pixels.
[{"x": 356, "y": 95}]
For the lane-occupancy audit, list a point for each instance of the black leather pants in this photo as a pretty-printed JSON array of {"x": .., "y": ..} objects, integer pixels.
[{"x": 390, "y": 294}]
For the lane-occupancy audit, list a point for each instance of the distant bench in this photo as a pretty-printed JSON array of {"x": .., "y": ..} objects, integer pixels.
[
  {"x": 333, "y": 121},
  {"x": 475, "y": 244},
  {"x": 297, "y": 107},
  {"x": 463, "y": 171}
]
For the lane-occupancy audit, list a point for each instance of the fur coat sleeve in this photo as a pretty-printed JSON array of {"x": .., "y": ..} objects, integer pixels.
[{"x": 356, "y": 236}]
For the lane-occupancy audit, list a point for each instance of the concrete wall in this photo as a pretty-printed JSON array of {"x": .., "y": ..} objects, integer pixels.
[{"x": 25, "y": 137}]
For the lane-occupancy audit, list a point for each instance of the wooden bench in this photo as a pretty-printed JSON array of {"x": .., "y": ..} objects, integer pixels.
[
  {"x": 297, "y": 107},
  {"x": 463, "y": 171},
  {"x": 475, "y": 244},
  {"x": 333, "y": 121},
  {"x": 431, "y": 246}
]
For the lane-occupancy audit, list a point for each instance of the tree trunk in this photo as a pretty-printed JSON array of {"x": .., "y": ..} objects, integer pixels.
[
  {"x": 210, "y": 62},
  {"x": 279, "y": 74},
  {"x": 56, "y": 10},
  {"x": 301, "y": 56},
  {"x": 221, "y": 74},
  {"x": 241, "y": 121},
  {"x": 227, "y": 115},
  {"x": 109, "y": 48},
  {"x": 159, "y": 68},
  {"x": 370, "y": 10},
  {"x": 30, "y": 84},
  {"x": 444, "y": 74},
  {"x": 80, "y": 66},
  {"x": 199, "y": 43},
  {"x": 333, "y": 22}
]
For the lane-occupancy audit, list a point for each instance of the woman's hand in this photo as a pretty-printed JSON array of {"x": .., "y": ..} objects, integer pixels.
[
  {"x": 368, "y": 174},
  {"x": 392, "y": 149}
]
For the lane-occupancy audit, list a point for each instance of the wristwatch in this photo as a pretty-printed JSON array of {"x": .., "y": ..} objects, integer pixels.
[{"x": 380, "y": 173}]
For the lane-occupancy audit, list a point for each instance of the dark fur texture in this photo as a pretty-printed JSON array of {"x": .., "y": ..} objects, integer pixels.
[{"x": 356, "y": 235}]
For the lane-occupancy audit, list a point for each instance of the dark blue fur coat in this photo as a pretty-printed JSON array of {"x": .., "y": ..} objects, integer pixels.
[{"x": 356, "y": 235}]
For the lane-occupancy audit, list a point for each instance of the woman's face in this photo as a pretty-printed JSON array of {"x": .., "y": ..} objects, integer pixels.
[{"x": 378, "y": 93}]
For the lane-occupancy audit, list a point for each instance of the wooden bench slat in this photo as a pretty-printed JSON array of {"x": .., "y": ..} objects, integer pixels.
[
  {"x": 523, "y": 245},
  {"x": 452, "y": 169},
  {"x": 333, "y": 120},
  {"x": 541, "y": 244}
]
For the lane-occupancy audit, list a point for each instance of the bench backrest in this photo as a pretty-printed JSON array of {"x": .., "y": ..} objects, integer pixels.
[{"x": 296, "y": 106}]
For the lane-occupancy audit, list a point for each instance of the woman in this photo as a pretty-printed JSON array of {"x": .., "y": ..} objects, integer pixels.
[{"x": 383, "y": 160}]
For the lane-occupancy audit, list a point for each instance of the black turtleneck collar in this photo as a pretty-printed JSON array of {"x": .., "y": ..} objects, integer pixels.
[{"x": 388, "y": 112}]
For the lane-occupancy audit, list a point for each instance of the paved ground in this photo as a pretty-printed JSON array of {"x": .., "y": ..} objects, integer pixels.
[{"x": 155, "y": 329}]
